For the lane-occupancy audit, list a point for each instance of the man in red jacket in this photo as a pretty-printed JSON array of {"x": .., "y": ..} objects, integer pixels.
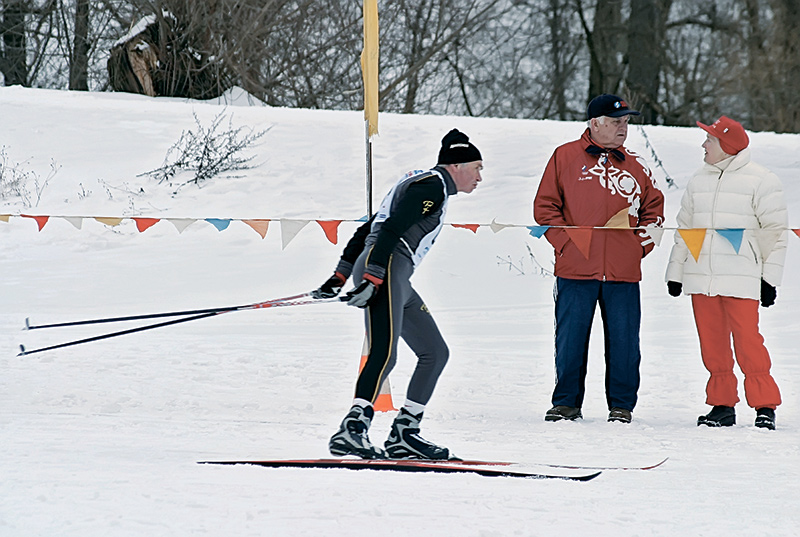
[{"x": 595, "y": 182}]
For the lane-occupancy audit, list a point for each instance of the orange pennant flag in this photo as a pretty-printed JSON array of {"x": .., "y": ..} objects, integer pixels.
[
  {"x": 796, "y": 231},
  {"x": 471, "y": 227},
  {"x": 582, "y": 237},
  {"x": 40, "y": 220},
  {"x": 143, "y": 224},
  {"x": 619, "y": 220},
  {"x": 108, "y": 220},
  {"x": 330, "y": 227},
  {"x": 260, "y": 226},
  {"x": 694, "y": 240}
]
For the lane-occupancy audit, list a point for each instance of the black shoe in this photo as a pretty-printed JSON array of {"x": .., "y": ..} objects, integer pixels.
[
  {"x": 620, "y": 414},
  {"x": 404, "y": 441},
  {"x": 720, "y": 416},
  {"x": 352, "y": 439},
  {"x": 765, "y": 418},
  {"x": 559, "y": 412}
]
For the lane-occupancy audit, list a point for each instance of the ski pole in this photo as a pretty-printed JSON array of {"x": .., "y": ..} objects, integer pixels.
[
  {"x": 29, "y": 326},
  {"x": 260, "y": 305}
]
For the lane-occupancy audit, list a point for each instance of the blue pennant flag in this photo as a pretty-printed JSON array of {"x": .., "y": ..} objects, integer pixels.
[
  {"x": 734, "y": 236},
  {"x": 219, "y": 223},
  {"x": 538, "y": 231}
]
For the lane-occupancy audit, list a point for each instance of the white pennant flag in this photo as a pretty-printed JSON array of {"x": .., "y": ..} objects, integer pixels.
[
  {"x": 181, "y": 223},
  {"x": 767, "y": 239},
  {"x": 495, "y": 227},
  {"x": 656, "y": 233},
  {"x": 289, "y": 229},
  {"x": 76, "y": 221}
]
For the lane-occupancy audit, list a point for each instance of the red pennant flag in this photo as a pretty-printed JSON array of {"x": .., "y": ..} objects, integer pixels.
[
  {"x": 582, "y": 237},
  {"x": 331, "y": 229},
  {"x": 796, "y": 232},
  {"x": 40, "y": 220},
  {"x": 471, "y": 227},
  {"x": 143, "y": 224}
]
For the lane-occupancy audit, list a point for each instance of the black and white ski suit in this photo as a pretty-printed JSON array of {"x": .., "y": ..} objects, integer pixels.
[{"x": 389, "y": 247}]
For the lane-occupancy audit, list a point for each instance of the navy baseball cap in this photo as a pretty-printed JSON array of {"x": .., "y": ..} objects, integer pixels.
[{"x": 609, "y": 105}]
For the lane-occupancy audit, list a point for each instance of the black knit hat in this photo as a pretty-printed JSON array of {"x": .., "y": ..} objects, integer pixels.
[{"x": 456, "y": 149}]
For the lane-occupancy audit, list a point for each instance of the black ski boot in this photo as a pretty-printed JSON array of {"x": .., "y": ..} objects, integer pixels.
[
  {"x": 720, "y": 416},
  {"x": 404, "y": 441},
  {"x": 352, "y": 439}
]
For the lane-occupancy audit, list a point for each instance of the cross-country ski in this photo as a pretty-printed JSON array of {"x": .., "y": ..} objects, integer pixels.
[{"x": 421, "y": 466}]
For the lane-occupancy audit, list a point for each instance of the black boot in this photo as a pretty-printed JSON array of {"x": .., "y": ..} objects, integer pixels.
[
  {"x": 720, "y": 416},
  {"x": 560, "y": 412},
  {"x": 765, "y": 418},
  {"x": 352, "y": 439},
  {"x": 404, "y": 441}
]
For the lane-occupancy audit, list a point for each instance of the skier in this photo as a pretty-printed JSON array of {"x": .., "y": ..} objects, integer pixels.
[
  {"x": 726, "y": 281},
  {"x": 382, "y": 255}
]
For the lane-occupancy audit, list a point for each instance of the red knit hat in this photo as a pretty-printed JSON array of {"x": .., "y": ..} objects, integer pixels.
[{"x": 730, "y": 133}]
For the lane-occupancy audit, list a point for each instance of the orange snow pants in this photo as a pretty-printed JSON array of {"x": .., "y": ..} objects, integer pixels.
[{"x": 717, "y": 319}]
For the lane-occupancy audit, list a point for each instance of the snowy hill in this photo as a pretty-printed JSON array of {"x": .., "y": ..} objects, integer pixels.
[{"x": 102, "y": 439}]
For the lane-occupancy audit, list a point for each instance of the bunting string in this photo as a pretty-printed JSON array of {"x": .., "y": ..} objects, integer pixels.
[{"x": 580, "y": 235}]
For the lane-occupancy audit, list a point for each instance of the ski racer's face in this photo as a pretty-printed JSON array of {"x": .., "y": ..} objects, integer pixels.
[
  {"x": 610, "y": 132},
  {"x": 467, "y": 175}
]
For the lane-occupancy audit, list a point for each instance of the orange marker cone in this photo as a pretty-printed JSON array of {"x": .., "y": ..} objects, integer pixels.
[{"x": 384, "y": 401}]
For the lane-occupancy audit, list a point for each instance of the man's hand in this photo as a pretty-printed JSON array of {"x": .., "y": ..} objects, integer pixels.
[
  {"x": 362, "y": 295},
  {"x": 330, "y": 288},
  {"x": 768, "y": 294},
  {"x": 674, "y": 288}
]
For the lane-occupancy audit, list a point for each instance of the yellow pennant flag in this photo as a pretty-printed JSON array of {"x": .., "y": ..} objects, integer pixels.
[
  {"x": 369, "y": 65},
  {"x": 694, "y": 240}
]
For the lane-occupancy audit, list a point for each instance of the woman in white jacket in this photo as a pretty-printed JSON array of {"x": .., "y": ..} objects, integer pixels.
[{"x": 742, "y": 207}]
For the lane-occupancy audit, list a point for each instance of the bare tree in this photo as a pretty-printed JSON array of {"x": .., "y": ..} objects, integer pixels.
[
  {"x": 604, "y": 40},
  {"x": 646, "y": 30},
  {"x": 14, "y": 62},
  {"x": 79, "y": 62}
]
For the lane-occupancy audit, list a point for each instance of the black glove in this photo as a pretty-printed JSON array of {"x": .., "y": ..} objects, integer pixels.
[
  {"x": 330, "y": 288},
  {"x": 361, "y": 296},
  {"x": 768, "y": 294},
  {"x": 674, "y": 288}
]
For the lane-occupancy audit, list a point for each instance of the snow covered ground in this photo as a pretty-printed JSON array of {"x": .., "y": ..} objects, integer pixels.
[{"x": 102, "y": 439}]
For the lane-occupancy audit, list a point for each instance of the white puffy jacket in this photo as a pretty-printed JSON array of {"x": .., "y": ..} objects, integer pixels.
[{"x": 745, "y": 196}]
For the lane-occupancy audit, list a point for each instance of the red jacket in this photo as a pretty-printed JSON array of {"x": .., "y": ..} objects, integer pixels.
[{"x": 598, "y": 190}]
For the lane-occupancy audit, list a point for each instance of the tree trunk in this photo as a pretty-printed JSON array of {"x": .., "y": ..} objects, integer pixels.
[
  {"x": 15, "y": 65},
  {"x": 78, "y": 69},
  {"x": 646, "y": 29},
  {"x": 788, "y": 64},
  {"x": 556, "y": 26},
  {"x": 605, "y": 47}
]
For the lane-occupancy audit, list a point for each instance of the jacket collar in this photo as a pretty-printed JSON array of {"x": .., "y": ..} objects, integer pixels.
[
  {"x": 740, "y": 160},
  {"x": 593, "y": 149},
  {"x": 448, "y": 180}
]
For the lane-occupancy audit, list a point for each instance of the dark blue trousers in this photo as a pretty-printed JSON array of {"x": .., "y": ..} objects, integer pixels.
[{"x": 620, "y": 309}]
